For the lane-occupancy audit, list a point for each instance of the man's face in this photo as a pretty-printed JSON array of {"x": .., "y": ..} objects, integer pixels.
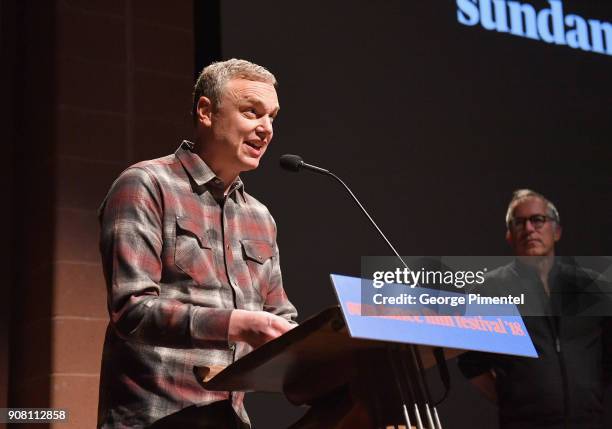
[
  {"x": 241, "y": 128},
  {"x": 527, "y": 238}
]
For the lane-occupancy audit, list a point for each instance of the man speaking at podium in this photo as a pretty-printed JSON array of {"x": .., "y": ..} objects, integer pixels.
[
  {"x": 191, "y": 263},
  {"x": 563, "y": 387}
]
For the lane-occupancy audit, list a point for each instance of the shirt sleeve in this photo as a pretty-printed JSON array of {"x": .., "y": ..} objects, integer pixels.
[{"x": 131, "y": 220}]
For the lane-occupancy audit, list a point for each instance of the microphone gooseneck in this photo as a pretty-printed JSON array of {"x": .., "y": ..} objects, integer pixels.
[
  {"x": 295, "y": 163},
  {"x": 412, "y": 368}
]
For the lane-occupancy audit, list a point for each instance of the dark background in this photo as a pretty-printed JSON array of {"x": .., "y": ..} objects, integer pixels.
[{"x": 433, "y": 124}]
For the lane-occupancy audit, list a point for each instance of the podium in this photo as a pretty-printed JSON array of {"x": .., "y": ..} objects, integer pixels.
[{"x": 347, "y": 382}]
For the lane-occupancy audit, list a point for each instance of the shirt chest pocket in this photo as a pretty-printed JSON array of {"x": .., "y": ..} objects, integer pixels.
[
  {"x": 193, "y": 254},
  {"x": 258, "y": 256}
]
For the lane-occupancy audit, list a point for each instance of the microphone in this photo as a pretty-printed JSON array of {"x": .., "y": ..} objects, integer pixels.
[{"x": 295, "y": 163}]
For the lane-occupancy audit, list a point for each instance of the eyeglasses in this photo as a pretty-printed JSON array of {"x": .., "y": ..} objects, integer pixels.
[{"x": 537, "y": 221}]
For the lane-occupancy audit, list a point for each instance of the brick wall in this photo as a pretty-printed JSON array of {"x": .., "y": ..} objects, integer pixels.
[{"x": 117, "y": 78}]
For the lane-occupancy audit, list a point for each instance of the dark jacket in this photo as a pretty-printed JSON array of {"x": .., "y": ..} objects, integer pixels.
[{"x": 563, "y": 387}]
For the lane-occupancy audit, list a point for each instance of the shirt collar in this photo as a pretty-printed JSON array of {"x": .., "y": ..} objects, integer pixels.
[{"x": 200, "y": 172}]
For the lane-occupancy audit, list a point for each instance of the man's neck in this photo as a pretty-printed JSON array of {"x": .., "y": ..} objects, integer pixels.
[
  {"x": 227, "y": 177},
  {"x": 543, "y": 265}
]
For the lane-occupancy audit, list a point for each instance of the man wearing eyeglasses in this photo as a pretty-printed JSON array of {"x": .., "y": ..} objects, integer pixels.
[{"x": 563, "y": 387}]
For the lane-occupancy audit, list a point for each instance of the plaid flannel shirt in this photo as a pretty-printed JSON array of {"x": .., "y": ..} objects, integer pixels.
[{"x": 176, "y": 263}]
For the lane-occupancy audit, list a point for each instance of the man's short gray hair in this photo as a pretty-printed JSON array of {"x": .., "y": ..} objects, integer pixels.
[
  {"x": 215, "y": 76},
  {"x": 520, "y": 195}
]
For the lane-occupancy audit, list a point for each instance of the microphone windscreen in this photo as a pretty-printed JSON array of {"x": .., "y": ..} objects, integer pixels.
[{"x": 291, "y": 162}]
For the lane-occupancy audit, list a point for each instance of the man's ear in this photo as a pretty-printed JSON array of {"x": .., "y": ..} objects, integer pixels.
[
  {"x": 509, "y": 239},
  {"x": 558, "y": 231},
  {"x": 204, "y": 111}
]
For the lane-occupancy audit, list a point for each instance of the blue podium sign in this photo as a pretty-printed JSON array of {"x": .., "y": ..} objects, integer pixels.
[{"x": 419, "y": 323}]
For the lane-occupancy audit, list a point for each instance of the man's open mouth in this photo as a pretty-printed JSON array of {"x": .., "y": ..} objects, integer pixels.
[{"x": 254, "y": 145}]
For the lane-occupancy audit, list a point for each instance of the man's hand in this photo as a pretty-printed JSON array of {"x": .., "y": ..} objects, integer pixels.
[{"x": 256, "y": 327}]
